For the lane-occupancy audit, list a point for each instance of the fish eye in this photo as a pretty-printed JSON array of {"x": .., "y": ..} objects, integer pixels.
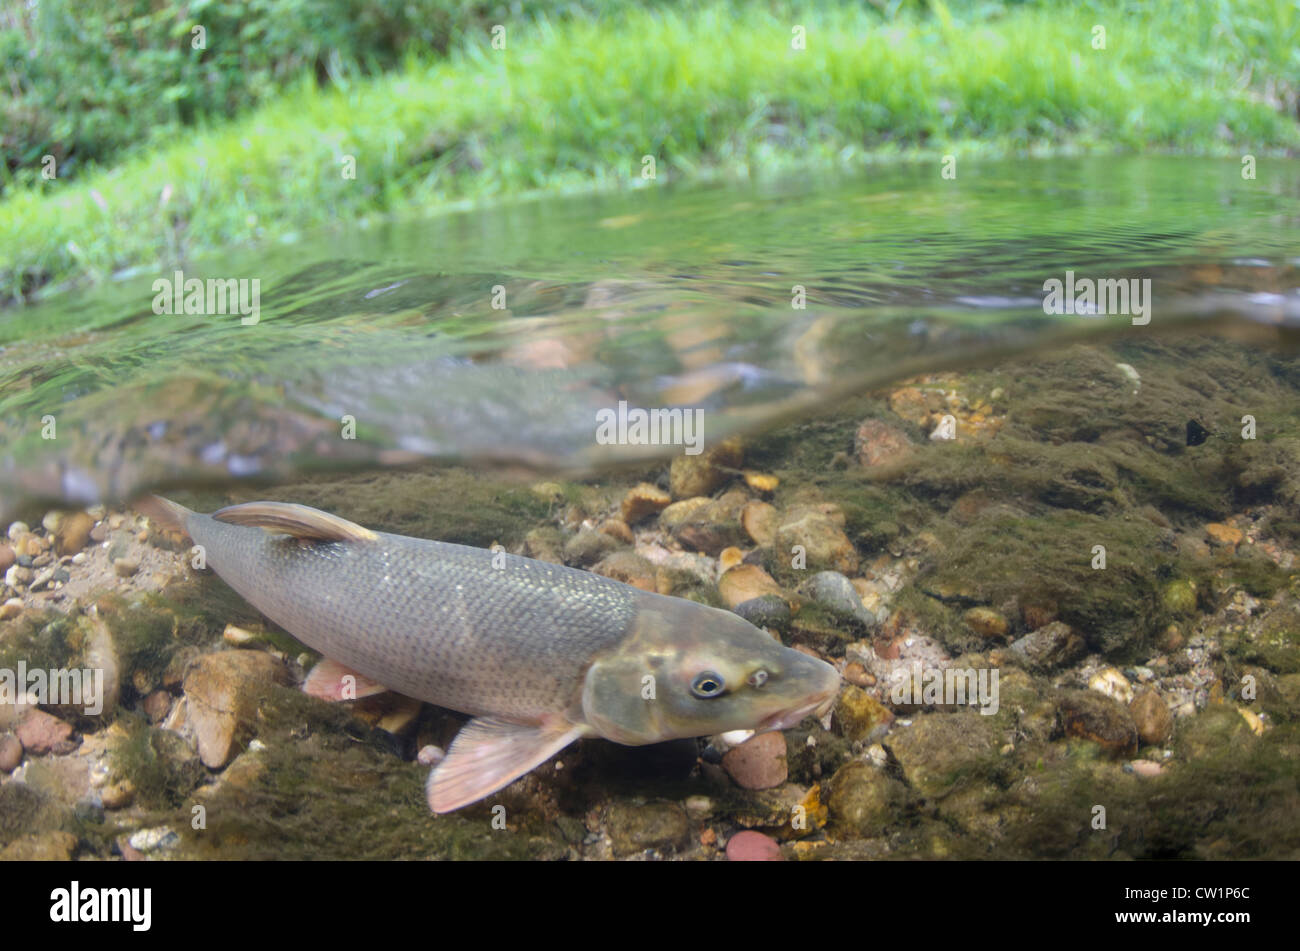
[
  {"x": 707, "y": 685},
  {"x": 758, "y": 678}
]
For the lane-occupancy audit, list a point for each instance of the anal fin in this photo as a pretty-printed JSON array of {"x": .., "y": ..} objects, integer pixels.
[
  {"x": 489, "y": 753},
  {"x": 327, "y": 680}
]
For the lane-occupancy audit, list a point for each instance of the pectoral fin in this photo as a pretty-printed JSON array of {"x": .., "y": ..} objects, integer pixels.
[
  {"x": 300, "y": 521},
  {"x": 488, "y": 754},
  {"x": 327, "y": 680}
]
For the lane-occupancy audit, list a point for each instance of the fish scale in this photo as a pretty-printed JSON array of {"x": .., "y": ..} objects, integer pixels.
[{"x": 433, "y": 620}]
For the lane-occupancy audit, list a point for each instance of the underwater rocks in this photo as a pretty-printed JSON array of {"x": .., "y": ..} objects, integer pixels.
[
  {"x": 221, "y": 693},
  {"x": 1051, "y": 647},
  {"x": 941, "y": 750},
  {"x": 864, "y": 800},
  {"x": 11, "y": 752},
  {"x": 1152, "y": 718},
  {"x": 751, "y": 846},
  {"x": 759, "y": 520},
  {"x": 40, "y": 733},
  {"x": 746, "y": 583},
  {"x": 1089, "y": 715},
  {"x": 759, "y": 762},
  {"x": 654, "y": 825},
  {"x": 878, "y": 443},
  {"x": 860, "y": 716},
  {"x": 705, "y": 472},
  {"x": 642, "y": 501},
  {"x": 816, "y": 535}
]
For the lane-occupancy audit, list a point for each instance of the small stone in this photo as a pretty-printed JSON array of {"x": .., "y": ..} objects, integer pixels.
[
  {"x": 863, "y": 800},
  {"x": 744, "y": 583},
  {"x": 1155, "y": 724},
  {"x": 149, "y": 840},
  {"x": 617, "y": 528},
  {"x": 1170, "y": 639},
  {"x": 41, "y": 733},
  {"x": 1089, "y": 715},
  {"x": 157, "y": 705},
  {"x": 705, "y": 472},
  {"x": 758, "y": 519},
  {"x": 654, "y": 825},
  {"x": 1223, "y": 536},
  {"x": 860, "y": 715},
  {"x": 937, "y": 749},
  {"x": 42, "y": 579},
  {"x": 758, "y": 763},
  {"x": 18, "y": 576},
  {"x": 699, "y": 808},
  {"x": 1112, "y": 682},
  {"x": 760, "y": 481},
  {"x": 824, "y": 544},
  {"x": 877, "y": 443},
  {"x": 41, "y": 847},
  {"x": 221, "y": 692},
  {"x": 588, "y": 546},
  {"x": 11, "y": 609},
  {"x": 642, "y": 501},
  {"x": 17, "y": 530},
  {"x": 126, "y": 567},
  {"x": 73, "y": 533},
  {"x": 856, "y": 674},
  {"x": 1051, "y": 647},
  {"x": 7, "y": 557},
  {"x": 11, "y": 753},
  {"x": 430, "y": 755},
  {"x": 628, "y": 567},
  {"x": 118, "y": 795},
  {"x": 751, "y": 846},
  {"x": 986, "y": 622},
  {"x": 79, "y": 558},
  {"x": 1145, "y": 768},
  {"x": 237, "y": 636},
  {"x": 729, "y": 558},
  {"x": 767, "y": 610}
]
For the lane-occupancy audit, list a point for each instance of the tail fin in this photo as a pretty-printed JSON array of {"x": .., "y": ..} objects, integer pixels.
[{"x": 166, "y": 514}]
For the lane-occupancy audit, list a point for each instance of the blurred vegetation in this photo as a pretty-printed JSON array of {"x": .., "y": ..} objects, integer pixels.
[
  {"x": 91, "y": 80},
  {"x": 167, "y": 151}
]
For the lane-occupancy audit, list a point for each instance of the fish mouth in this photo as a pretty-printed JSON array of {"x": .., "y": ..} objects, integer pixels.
[{"x": 818, "y": 706}]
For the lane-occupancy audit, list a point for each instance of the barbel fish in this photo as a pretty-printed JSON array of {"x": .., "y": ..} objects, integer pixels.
[{"x": 538, "y": 654}]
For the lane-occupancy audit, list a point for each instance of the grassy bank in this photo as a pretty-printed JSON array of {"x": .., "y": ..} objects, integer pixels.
[{"x": 578, "y": 102}]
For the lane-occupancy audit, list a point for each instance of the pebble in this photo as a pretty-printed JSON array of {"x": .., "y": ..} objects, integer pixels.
[
  {"x": 744, "y": 583},
  {"x": 1112, "y": 682},
  {"x": 17, "y": 577},
  {"x": 860, "y": 715},
  {"x": 51, "y": 521},
  {"x": 703, "y": 473},
  {"x": 1089, "y": 715},
  {"x": 751, "y": 846},
  {"x": 642, "y": 501},
  {"x": 7, "y": 557},
  {"x": 877, "y": 443},
  {"x": 11, "y": 753},
  {"x": 986, "y": 622},
  {"x": 118, "y": 795},
  {"x": 157, "y": 705},
  {"x": 11, "y": 609},
  {"x": 1144, "y": 767},
  {"x": 147, "y": 840},
  {"x": 430, "y": 755},
  {"x": 1155, "y": 724},
  {"x": 768, "y": 610},
  {"x": 699, "y": 808},
  {"x": 761, "y": 481},
  {"x": 17, "y": 530},
  {"x": 126, "y": 567},
  {"x": 856, "y": 674},
  {"x": 73, "y": 533},
  {"x": 758, "y": 519},
  {"x": 42, "y": 579},
  {"x": 758, "y": 763},
  {"x": 39, "y": 732}
]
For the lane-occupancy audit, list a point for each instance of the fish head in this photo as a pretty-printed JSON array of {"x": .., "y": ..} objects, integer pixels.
[{"x": 689, "y": 670}]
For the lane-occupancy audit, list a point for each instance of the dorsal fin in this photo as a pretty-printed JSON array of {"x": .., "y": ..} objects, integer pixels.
[{"x": 300, "y": 521}]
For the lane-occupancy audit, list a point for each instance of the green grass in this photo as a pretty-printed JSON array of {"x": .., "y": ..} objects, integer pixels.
[{"x": 577, "y": 103}]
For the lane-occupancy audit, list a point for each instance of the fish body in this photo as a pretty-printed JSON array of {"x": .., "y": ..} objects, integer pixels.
[{"x": 539, "y": 654}]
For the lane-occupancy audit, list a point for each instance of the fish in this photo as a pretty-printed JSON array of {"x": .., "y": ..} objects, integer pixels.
[{"x": 539, "y": 655}]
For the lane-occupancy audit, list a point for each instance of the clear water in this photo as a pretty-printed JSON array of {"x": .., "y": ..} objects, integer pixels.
[{"x": 661, "y": 297}]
